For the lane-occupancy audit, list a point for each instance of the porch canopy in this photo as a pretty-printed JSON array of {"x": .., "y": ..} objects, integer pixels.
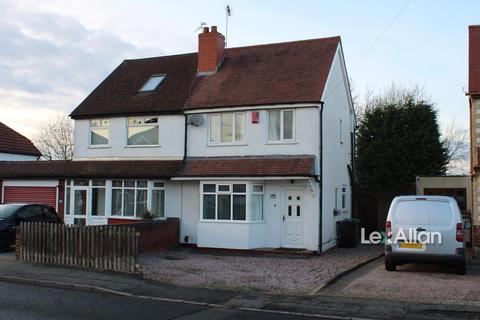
[
  {"x": 124, "y": 169},
  {"x": 281, "y": 166}
]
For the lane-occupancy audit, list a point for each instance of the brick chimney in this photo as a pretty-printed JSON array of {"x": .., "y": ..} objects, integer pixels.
[
  {"x": 474, "y": 59},
  {"x": 211, "y": 48}
]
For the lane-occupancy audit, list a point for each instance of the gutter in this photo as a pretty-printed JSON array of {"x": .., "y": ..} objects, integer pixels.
[{"x": 320, "y": 180}]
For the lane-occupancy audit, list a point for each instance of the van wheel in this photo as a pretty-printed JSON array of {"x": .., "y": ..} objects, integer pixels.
[
  {"x": 390, "y": 266},
  {"x": 460, "y": 268}
]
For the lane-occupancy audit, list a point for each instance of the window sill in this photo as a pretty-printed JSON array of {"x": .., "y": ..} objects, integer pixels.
[
  {"x": 281, "y": 142},
  {"x": 230, "y": 221},
  {"x": 103, "y": 146},
  {"x": 227, "y": 144},
  {"x": 143, "y": 146}
]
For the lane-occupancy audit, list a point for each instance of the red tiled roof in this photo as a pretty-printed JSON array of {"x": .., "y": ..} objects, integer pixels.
[
  {"x": 13, "y": 142},
  {"x": 474, "y": 59},
  {"x": 289, "y": 72},
  {"x": 128, "y": 169},
  {"x": 118, "y": 93},
  {"x": 261, "y": 166}
]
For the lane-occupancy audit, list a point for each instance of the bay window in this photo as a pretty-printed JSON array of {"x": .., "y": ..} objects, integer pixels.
[
  {"x": 98, "y": 197},
  {"x": 226, "y": 128},
  {"x": 158, "y": 200},
  {"x": 257, "y": 202},
  {"x": 99, "y": 132},
  {"x": 281, "y": 125},
  {"x": 228, "y": 202},
  {"x": 129, "y": 198},
  {"x": 142, "y": 131}
]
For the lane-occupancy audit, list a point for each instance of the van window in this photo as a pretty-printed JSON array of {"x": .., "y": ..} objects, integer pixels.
[
  {"x": 440, "y": 214},
  {"x": 412, "y": 213}
]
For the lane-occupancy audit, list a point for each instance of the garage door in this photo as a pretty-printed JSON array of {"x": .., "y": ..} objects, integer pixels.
[{"x": 41, "y": 195}]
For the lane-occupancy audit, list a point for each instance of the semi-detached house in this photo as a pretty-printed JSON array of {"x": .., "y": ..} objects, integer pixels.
[{"x": 250, "y": 147}]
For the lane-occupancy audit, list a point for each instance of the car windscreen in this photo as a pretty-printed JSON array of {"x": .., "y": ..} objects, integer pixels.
[{"x": 6, "y": 210}]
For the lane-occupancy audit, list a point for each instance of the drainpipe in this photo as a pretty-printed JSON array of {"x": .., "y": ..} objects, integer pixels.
[
  {"x": 320, "y": 179},
  {"x": 185, "y": 139}
]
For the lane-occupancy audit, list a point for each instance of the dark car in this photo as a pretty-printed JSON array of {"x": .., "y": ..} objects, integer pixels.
[{"x": 11, "y": 215}]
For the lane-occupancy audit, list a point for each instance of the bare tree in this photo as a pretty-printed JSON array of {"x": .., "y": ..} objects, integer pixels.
[
  {"x": 456, "y": 141},
  {"x": 55, "y": 140}
]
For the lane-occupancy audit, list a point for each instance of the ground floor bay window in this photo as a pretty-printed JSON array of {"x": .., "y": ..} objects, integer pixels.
[
  {"x": 235, "y": 202},
  {"x": 95, "y": 201}
]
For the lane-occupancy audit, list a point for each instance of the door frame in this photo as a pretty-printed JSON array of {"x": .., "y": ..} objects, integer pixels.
[
  {"x": 72, "y": 203},
  {"x": 285, "y": 244}
]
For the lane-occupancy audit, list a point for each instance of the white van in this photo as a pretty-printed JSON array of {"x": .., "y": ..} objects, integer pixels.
[{"x": 424, "y": 229}]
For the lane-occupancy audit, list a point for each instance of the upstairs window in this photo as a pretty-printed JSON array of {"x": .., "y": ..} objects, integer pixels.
[
  {"x": 99, "y": 132},
  {"x": 281, "y": 125},
  {"x": 227, "y": 127},
  {"x": 142, "y": 131},
  {"x": 152, "y": 83}
]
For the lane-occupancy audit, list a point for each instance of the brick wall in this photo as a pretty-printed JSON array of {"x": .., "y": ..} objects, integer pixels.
[
  {"x": 211, "y": 48},
  {"x": 155, "y": 235}
]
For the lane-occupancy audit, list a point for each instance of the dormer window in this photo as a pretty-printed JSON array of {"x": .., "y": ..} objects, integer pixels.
[{"x": 152, "y": 83}]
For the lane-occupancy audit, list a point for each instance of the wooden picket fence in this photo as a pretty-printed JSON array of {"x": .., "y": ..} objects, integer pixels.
[{"x": 101, "y": 247}]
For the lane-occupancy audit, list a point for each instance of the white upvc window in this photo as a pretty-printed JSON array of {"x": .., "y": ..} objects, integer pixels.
[
  {"x": 98, "y": 202},
  {"x": 226, "y": 128},
  {"x": 129, "y": 198},
  {"x": 344, "y": 198},
  {"x": 99, "y": 132},
  {"x": 256, "y": 202},
  {"x": 223, "y": 201},
  {"x": 158, "y": 199},
  {"x": 142, "y": 131},
  {"x": 281, "y": 125}
]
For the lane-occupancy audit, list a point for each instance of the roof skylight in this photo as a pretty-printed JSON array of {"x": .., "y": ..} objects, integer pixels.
[{"x": 152, "y": 83}]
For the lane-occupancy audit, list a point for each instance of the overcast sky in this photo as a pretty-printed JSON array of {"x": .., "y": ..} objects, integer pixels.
[{"x": 53, "y": 53}]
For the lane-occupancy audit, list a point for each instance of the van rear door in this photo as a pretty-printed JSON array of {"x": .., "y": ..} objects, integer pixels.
[
  {"x": 409, "y": 214},
  {"x": 442, "y": 220}
]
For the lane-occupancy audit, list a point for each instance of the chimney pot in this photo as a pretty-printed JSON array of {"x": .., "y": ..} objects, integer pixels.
[
  {"x": 205, "y": 29},
  {"x": 214, "y": 28}
]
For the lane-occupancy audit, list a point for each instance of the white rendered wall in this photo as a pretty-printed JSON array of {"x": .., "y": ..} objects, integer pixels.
[
  {"x": 336, "y": 155},
  {"x": 256, "y": 142},
  {"x": 16, "y": 157},
  {"x": 171, "y": 141}
]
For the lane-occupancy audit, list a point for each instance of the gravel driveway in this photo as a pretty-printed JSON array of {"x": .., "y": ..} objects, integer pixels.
[
  {"x": 271, "y": 273},
  {"x": 411, "y": 282}
]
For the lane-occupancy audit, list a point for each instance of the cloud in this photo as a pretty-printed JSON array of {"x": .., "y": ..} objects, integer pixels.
[{"x": 49, "y": 62}]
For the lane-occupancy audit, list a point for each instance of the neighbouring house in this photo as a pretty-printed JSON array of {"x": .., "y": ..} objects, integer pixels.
[
  {"x": 250, "y": 147},
  {"x": 474, "y": 103},
  {"x": 16, "y": 147}
]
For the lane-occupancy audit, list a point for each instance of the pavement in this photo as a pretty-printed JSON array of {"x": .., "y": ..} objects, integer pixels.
[{"x": 134, "y": 287}]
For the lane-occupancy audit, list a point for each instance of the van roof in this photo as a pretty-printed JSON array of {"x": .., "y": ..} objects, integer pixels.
[{"x": 423, "y": 197}]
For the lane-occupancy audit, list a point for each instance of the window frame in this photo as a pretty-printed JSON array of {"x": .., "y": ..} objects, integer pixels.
[
  {"x": 248, "y": 193},
  {"x": 234, "y": 141},
  {"x": 282, "y": 129},
  {"x": 101, "y": 126},
  {"x": 123, "y": 188},
  {"x": 163, "y": 76},
  {"x": 142, "y": 125}
]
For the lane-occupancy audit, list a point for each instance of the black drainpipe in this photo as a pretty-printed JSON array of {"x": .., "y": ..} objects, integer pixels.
[
  {"x": 320, "y": 181},
  {"x": 185, "y": 139}
]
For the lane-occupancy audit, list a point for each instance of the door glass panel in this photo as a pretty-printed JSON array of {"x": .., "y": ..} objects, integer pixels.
[
  {"x": 289, "y": 211},
  {"x": 298, "y": 211},
  {"x": 98, "y": 201},
  {"x": 80, "y": 203}
]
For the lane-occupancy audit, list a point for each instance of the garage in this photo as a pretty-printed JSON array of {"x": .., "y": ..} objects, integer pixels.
[{"x": 30, "y": 192}]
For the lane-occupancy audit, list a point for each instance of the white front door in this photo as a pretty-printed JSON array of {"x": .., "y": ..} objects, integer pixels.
[{"x": 293, "y": 218}]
